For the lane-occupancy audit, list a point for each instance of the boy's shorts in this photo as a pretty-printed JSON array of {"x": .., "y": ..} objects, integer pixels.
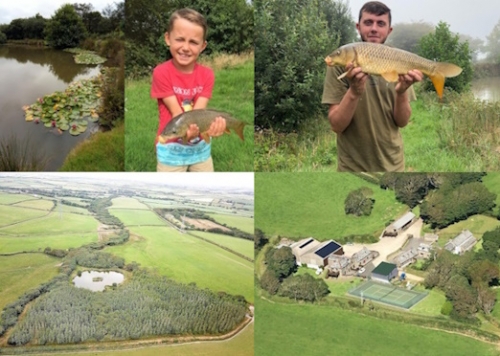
[{"x": 206, "y": 166}]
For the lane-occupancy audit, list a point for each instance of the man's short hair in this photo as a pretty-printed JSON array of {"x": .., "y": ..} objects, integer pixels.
[{"x": 375, "y": 8}]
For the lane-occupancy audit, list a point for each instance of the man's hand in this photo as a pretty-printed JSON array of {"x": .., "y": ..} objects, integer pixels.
[
  {"x": 217, "y": 127},
  {"x": 357, "y": 79},
  {"x": 407, "y": 80}
]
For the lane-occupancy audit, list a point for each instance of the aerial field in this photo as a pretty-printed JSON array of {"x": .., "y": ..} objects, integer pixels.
[
  {"x": 7, "y": 198},
  {"x": 492, "y": 182},
  {"x": 477, "y": 224},
  {"x": 187, "y": 259},
  {"x": 137, "y": 217},
  {"x": 20, "y": 273},
  {"x": 40, "y": 204},
  {"x": 12, "y": 214},
  {"x": 127, "y": 203},
  {"x": 243, "y": 246},
  {"x": 312, "y": 204},
  {"x": 305, "y": 329},
  {"x": 243, "y": 223}
]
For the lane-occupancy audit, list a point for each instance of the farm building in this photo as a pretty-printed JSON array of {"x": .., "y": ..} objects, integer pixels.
[
  {"x": 424, "y": 250},
  {"x": 362, "y": 258},
  {"x": 314, "y": 253},
  {"x": 399, "y": 225},
  {"x": 406, "y": 258},
  {"x": 462, "y": 243},
  {"x": 384, "y": 272},
  {"x": 339, "y": 263}
]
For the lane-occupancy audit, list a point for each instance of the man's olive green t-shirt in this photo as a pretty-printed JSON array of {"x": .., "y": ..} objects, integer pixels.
[{"x": 372, "y": 141}]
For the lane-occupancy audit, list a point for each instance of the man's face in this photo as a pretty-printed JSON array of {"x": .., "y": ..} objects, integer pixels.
[{"x": 373, "y": 28}]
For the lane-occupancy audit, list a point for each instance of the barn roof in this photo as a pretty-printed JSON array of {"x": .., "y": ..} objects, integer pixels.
[
  {"x": 328, "y": 248},
  {"x": 384, "y": 268},
  {"x": 402, "y": 221}
]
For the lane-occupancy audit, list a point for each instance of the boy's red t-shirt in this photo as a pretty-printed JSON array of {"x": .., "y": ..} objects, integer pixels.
[{"x": 187, "y": 88}]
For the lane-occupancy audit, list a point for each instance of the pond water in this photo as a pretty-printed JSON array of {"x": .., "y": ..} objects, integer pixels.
[
  {"x": 28, "y": 73},
  {"x": 97, "y": 281},
  {"x": 487, "y": 88}
]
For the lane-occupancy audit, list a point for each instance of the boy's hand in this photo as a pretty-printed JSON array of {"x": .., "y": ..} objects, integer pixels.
[
  {"x": 192, "y": 132},
  {"x": 218, "y": 127}
]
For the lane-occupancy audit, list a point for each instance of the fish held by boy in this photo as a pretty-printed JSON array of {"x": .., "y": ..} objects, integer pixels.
[
  {"x": 203, "y": 118},
  {"x": 378, "y": 59}
]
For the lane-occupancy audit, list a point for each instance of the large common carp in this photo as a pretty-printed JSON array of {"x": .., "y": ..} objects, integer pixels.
[
  {"x": 203, "y": 118},
  {"x": 374, "y": 58}
]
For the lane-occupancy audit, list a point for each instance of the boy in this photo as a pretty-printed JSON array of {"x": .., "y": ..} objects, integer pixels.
[{"x": 179, "y": 85}]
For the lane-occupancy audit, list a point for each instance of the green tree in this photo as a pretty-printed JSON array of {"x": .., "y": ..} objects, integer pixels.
[
  {"x": 269, "y": 282},
  {"x": 493, "y": 44},
  {"x": 291, "y": 43},
  {"x": 281, "y": 261},
  {"x": 65, "y": 29},
  {"x": 3, "y": 38},
  {"x": 443, "y": 46},
  {"x": 260, "y": 239},
  {"x": 358, "y": 202}
]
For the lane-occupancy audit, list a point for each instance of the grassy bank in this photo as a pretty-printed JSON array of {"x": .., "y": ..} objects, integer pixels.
[
  {"x": 233, "y": 93},
  {"x": 461, "y": 134}
]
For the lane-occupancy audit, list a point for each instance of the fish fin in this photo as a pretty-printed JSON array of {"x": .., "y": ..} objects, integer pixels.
[
  {"x": 227, "y": 130},
  {"x": 206, "y": 137},
  {"x": 239, "y": 130},
  {"x": 448, "y": 70},
  {"x": 342, "y": 75},
  {"x": 184, "y": 139},
  {"x": 438, "y": 81},
  {"x": 161, "y": 139},
  {"x": 391, "y": 76}
]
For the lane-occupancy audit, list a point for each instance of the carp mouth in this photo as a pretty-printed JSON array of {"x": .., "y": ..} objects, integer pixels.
[{"x": 329, "y": 61}]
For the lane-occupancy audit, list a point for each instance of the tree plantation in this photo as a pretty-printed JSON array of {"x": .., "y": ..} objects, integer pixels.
[{"x": 147, "y": 305}]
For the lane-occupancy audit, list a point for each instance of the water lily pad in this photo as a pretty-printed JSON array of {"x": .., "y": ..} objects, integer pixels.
[
  {"x": 63, "y": 126},
  {"x": 89, "y": 58},
  {"x": 48, "y": 124}
]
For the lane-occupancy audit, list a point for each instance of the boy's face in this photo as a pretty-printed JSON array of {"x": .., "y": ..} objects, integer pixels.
[{"x": 186, "y": 43}]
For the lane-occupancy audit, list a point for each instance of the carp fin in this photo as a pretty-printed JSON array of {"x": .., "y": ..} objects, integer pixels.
[
  {"x": 391, "y": 76},
  {"x": 227, "y": 130},
  {"x": 205, "y": 137},
  {"x": 239, "y": 130},
  {"x": 449, "y": 70},
  {"x": 438, "y": 81},
  {"x": 342, "y": 75},
  {"x": 184, "y": 139}
]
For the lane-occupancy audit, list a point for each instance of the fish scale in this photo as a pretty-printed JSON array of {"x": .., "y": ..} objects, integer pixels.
[{"x": 379, "y": 59}]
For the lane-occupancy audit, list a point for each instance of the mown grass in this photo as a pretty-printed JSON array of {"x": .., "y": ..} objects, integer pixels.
[
  {"x": 307, "y": 329},
  {"x": 37, "y": 204},
  {"x": 187, "y": 259},
  {"x": 127, "y": 203},
  {"x": 7, "y": 198},
  {"x": 241, "y": 222},
  {"x": 243, "y": 246},
  {"x": 461, "y": 134},
  {"x": 241, "y": 345},
  {"x": 312, "y": 204},
  {"x": 137, "y": 217},
  {"x": 13, "y": 214},
  {"x": 22, "y": 272},
  {"x": 102, "y": 152},
  {"x": 233, "y": 92}
]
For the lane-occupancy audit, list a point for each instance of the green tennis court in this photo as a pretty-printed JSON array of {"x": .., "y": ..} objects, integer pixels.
[{"x": 388, "y": 294}]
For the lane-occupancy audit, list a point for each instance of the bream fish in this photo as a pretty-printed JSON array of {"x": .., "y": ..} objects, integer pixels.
[
  {"x": 203, "y": 118},
  {"x": 379, "y": 59}
]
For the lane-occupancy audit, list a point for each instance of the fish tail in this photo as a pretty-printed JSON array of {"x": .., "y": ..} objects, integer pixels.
[
  {"x": 438, "y": 81},
  {"x": 448, "y": 70},
  {"x": 239, "y": 130}
]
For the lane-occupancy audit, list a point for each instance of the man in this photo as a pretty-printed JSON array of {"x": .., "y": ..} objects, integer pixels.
[{"x": 365, "y": 111}]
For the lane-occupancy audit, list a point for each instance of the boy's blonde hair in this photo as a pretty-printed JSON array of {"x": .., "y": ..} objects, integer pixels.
[{"x": 190, "y": 15}]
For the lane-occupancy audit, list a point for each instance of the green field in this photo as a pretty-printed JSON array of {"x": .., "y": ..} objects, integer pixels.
[
  {"x": 7, "y": 198},
  {"x": 127, "y": 203},
  {"x": 305, "y": 329},
  {"x": 187, "y": 259},
  {"x": 12, "y": 214},
  {"x": 20, "y": 273},
  {"x": 40, "y": 204},
  {"x": 312, "y": 204},
  {"x": 243, "y": 246},
  {"x": 492, "y": 182},
  {"x": 241, "y": 222},
  {"x": 477, "y": 224},
  {"x": 137, "y": 217}
]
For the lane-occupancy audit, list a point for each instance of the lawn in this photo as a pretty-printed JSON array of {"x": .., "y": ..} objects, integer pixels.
[
  {"x": 137, "y": 217},
  {"x": 187, "y": 259},
  {"x": 305, "y": 329},
  {"x": 20, "y": 273},
  {"x": 312, "y": 204},
  {"x": 233, "y": 92},
  {"x": 241, "y": 222},
  {"x": 243, "y": 246}
]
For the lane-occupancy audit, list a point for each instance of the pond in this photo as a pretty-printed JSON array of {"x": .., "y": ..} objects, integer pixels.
[
  {"x": 97, "y": 281},
  {"x": 29, "y": 73},
  {"x": 487, "y": 88}
]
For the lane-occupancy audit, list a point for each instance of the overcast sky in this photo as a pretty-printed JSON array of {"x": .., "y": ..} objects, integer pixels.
[
  {"x": 474, "y": 18},
  {"x": 14, "y": 9}
]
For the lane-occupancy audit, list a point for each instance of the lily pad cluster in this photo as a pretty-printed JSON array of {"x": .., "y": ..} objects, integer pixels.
[
  {"x": 70, "y": 110},
  {"x": 82, "y": 56}
]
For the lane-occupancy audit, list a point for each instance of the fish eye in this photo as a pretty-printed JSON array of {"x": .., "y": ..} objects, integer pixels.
[
  {"x": 174, "y": 131},
  {"x": 338, "y": 52}
]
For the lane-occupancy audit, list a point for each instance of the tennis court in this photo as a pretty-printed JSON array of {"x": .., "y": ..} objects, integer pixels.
[{"x": 388, "y": 294}]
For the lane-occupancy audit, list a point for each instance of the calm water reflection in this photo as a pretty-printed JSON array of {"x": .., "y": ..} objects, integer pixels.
[
  {"x": 487, "y": 88},
  {"x": 27, "y": 73},
  {"x": 86, "y": 280}
]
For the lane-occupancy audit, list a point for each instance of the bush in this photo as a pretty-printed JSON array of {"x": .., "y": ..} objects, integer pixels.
[
  {"x": 447, "y": 308},
  {"x": 111, "y": 111},
  {"x": 358, "y": 202}
]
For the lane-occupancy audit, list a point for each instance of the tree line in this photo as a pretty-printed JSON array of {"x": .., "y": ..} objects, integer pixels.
[{"x": 147, "y": 305}]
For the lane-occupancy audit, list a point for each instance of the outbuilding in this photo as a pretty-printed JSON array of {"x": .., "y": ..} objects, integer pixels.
[{"x": 384, "y": 272}]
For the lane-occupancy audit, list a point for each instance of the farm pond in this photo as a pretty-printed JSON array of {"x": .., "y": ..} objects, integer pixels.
[
  {"x": 29, "y": 73},
  {"x": 97, "y": 281}
]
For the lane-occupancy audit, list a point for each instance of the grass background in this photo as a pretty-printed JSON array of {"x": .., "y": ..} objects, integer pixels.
[
  {"x": 306, "y": 329},
  {"x": 312, "y": 204},
  {"x": 243, "y": 223},
  {"x": 233, "y": 92},
  {"x": 243, "y": 246}
]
